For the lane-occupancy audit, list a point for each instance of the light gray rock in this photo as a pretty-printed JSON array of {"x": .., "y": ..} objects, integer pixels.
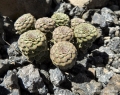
[
  {"x": 87, "y": 88},
  {"x": 15, "y": 56},
  {"x": 77, "y": 11},
  {"x": 10, "y": 83},
  {"x": 31, "y": 80},
  {"x": 99, "y": 20},
  {"x": 63, "y": 7},
  {"x": 108, "y": 15},
  {"x": 4, "y": 66},
  {"x": 56, "y": 76}
]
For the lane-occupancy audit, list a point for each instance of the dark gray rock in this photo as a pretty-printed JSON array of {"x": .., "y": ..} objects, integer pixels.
[
  {"x": 98, "y": 20},
  {"x": 77, "y": 11},
  {"x": 87, "y": 88},
  {"x": 11, "y": 83},
  {"x": 63, "y": 7},
  {"x": 81, "y": 78},
  {"x": 31, "y": 80},
  {"x": 56, "y": 76},
  {"x": 15, "y": 56},
  {"x": 88, "y": 15},
  {"x": 58, "y": 1},
  {"x": 114, "y": 7},
  {"x": 60, "y": 91},
  {"x": 114, "y": 44},
  {"x": 108, "y": 15},
  {"x": 4, "y": 66}
]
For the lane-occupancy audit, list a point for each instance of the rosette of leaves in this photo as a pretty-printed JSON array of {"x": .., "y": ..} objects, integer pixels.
[
  {"x": 45, "y": 24},
  {"x": 62, "y": 33},
  {"x": 63, "y": 55},
  {"x": 85, "y": 34},
  {"x": 76, "y": 21},
  {"x": 61, "y": 19},
  {"x": 33, "y": 44},
  {"x": 24, "y": 23}
]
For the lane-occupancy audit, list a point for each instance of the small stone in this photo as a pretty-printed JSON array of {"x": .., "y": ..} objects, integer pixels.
[
  {"x": 108, "y": 15},
  {"x": 56, "y": 76},
  {"x": 31, "y": 80},
  {"x": 11, "y": 83},
  {"x": 4, "y": 66},
  {"x": 99, "y": 20},
  {"x": 77, "y": 11}
]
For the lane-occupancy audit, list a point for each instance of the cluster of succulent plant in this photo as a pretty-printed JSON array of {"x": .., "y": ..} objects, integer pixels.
[
  {"x": 24, "y": 23},
  {"x": 85, "y": 34},
  {"x": 34, "y": 43}
]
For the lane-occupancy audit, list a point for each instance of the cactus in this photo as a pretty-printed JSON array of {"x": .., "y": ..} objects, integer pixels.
[
  {"x": 24, "y": 23},
  {"x": 61, "y": 19},
  {"x": 32, "y": 43},
  {"x": 63, "y": 55},
  {"x": 76, "y": 21},
  {"x": 45, "y": 24},
  {"x": 85, "y": 34},
  {"x": 62, "y": 33}
]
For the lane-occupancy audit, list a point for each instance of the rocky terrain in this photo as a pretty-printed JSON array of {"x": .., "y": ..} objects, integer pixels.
[{"x": 92, "y": 69}]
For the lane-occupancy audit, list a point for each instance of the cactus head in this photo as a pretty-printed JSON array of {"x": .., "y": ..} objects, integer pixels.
[
  {"x": 63, "y": 55},
  {"x": 24, "y": 23},
  {"x": 76, "y": 21},
  {"x": 45, "y": 24},
  {"x": 62, "y": 33},
  {"x": 85, "y": 34},
  {"x": 61, "y": 19},
  {"x": 32, "y": 43}
]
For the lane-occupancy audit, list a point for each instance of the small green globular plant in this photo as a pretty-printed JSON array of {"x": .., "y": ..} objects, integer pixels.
[
  {"x": 63, "y": 55},
  {"x": 85, "y": 34},
  {"x": 76, "y": 21},
  {"x": 61, "y": 19},
  {"x": 24, "y": 23},
  {"x": 62, "y": 33},
  {"x": 33, "y": 44},
  {"x": 45, "y": 24}
]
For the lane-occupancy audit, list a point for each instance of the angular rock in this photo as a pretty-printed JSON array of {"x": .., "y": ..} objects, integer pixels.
[
  {"x": 63, "y": 7},
  {"x": 15, "y": 56},
  {"x": 113, "y": 87},
  {"x": 99, "y": 20},
  {"x": 31, "y": 80},
  {"x": 108, "y": 15},
  {"x": 16, "y": 8},
  {"x": 56, "y": 76},
  {"x": 77, "y": 11},
  {"x": 114, "y": 45},
  {"x": 87, "y": 88},
  {"x": 89, "y": 3},
  {"x": 10, "y": 83},
  {"x": 4, "y": 66}
]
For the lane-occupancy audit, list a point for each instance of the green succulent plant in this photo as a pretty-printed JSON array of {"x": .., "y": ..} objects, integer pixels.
[
  {"x": 61, "y": 19},
  {"x": 85, "y": 34},
  {"x": 24, "y": 23},
  {"x": 62, "y": 33},
  {"x": 76, "y": 21},
  {"x": 45, "y": 24},
  {"x": 63, "y": 55},
  {"x": 33, "y": 44}
]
